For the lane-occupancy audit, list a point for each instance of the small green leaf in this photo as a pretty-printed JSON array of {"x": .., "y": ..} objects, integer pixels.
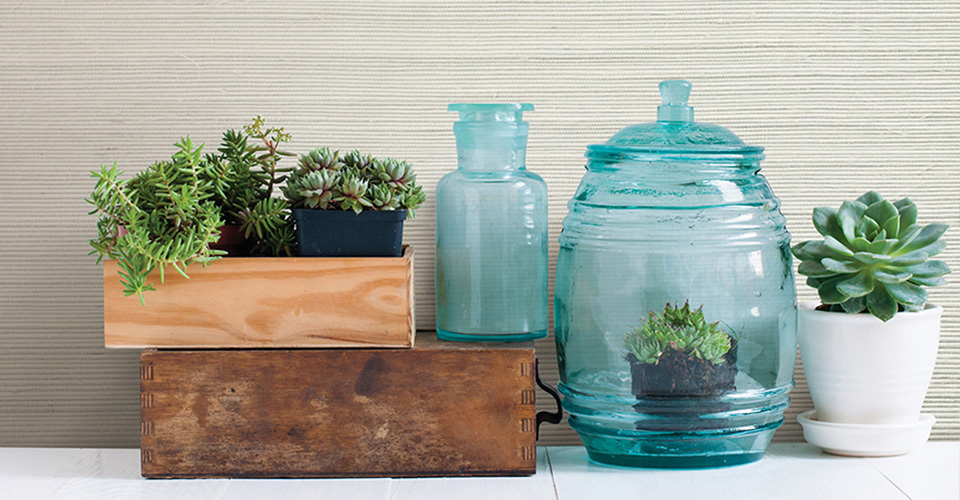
[
  {"x": 881, "y": 246},
  {"x": 835, "y": 245},
  {"x": 908, "y": 293},
  {"x": 849, "y": 215},
  {"x": 908, "y": 215},
  {"x": 907, "y": 236},
  {"x": 814, "y": 269},
  {"x": 938, "y": 281},
  {"x": 838, "y": 266},
  {"x": 867, "y": 227},
  {"x": 888, "y": 277},
  {"x": 871, "y": 258},
  {"x": 854, "y": 305},
  {"x": 810, "y": 250},
  {"x": 892, "y": 227},
  {"x": 929, "y": 269},
  {"x": 869, "y": 198},
  {"x": 935, "y": 248},
  {"x": 825, "y": 221},
  {"x": 881, "y": 304},
  {"x": 860, "y": 244},
  {"x": 911, "y": 258},
  {"x": 828, "y": 291},
  {"x": 927, "y": 236},
  {"x": 858, "y": 286},
  {"x": 881, "y": 211}
]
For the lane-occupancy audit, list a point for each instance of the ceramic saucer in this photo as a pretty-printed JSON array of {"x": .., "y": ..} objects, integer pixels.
[{"x": 865, "y": 440}]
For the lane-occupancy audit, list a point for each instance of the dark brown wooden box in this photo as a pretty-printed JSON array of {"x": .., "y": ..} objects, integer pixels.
[{"x": 439, "y": 409}]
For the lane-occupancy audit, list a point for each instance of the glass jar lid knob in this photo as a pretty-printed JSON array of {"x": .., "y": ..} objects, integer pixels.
[{"x": 674, "y": 108}]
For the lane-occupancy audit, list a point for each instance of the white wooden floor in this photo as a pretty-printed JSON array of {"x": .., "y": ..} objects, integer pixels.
[{"x": 788, "y": 471}]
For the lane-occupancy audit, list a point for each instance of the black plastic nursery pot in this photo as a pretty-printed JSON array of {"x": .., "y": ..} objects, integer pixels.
[{"x": 339, "y": 233}]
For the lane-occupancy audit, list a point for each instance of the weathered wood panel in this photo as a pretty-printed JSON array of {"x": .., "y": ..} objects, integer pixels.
[
  {"x": 429, "y": 411},
  {"x": 268, "y": 302}
]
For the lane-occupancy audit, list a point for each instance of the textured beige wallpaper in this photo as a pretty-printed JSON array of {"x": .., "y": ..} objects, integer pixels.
[{"x": 844, "y": 95}]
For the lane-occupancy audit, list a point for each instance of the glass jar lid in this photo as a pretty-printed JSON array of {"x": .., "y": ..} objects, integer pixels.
[{"x": 675, "y": 133}]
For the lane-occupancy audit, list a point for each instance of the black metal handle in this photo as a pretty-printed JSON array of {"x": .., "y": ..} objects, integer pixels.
[{"x": 547, "y": 416}]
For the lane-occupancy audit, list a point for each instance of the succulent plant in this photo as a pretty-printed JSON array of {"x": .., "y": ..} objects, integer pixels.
[
  {"x": 356, "y": 182},
  {"x": 681, "y": 329},
  {"x": 169, "y": 214},
  {"x": 382, "y": 197},
  {"x": 874, "y": 257},
  {"x": 353, "y": 191},
  {"x": 395, "y": 173},
  {"x": 161, "y": 217},
  {"x": 314, "y": 190},
  {"x": 357, "y": 160},
  {"x": 320, "y": 159}
]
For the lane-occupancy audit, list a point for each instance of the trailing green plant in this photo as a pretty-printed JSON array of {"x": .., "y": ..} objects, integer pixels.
[
  {"x": 680, "y": 329},
  {"x": 327, "y": 181},
  {"x": 874, "y": 257},
  {"x": 170, "y": 213},
  {"x": 163, "y": 216}
]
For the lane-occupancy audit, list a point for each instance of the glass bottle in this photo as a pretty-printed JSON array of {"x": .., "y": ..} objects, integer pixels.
[
  {"x": 491, "y": 266},
  {"x": 675, "y": 212}
]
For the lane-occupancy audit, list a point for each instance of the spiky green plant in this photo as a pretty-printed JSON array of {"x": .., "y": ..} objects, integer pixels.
[
  {"x": 874, "y": 257},
  {"x": 680, "y": 329},
  {"x": 163, "y": 216},
  {"x": 170, "y": 213},
  {"x": 244, "y": 175},
  {"x": 355, "y": 181}
]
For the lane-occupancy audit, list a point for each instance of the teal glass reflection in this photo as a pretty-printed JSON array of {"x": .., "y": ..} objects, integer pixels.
[
  {"x": 491, "y": 265},
  {"x": 674, "y": 211}
]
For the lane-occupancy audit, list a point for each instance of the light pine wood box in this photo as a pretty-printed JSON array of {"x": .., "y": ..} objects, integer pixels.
[{"x": 264, "y": 302}]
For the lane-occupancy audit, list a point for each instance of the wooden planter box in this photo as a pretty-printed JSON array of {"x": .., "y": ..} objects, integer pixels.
[
  {"x": 242, "y": 302},
  {"x": 440, "y": 409}
]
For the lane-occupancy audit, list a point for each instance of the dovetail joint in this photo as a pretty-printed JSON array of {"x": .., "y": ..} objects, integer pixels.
[
  {"x": 528, "y": 397},
  {"x": 526, "y": 369},
  {"x": 528, "y": 453},
  {"x": 146, "y": 400},
  {"x": 146, "y": 456},
  {"x": 146, "y": 428},
  {"x": 146, "y": 372},
  {"x": 527, "y": 425}
]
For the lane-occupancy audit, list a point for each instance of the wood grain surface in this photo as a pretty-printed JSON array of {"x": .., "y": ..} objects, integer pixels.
[
  {"x": 428, "y": 411},
  {"x": 268, "y": 302}
]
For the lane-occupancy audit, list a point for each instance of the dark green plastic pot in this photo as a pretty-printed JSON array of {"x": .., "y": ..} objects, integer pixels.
[{"x": 339, "y": 233}]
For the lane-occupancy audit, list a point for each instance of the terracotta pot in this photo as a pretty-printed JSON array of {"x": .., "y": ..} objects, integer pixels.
[{"x": 232, "y": 241}]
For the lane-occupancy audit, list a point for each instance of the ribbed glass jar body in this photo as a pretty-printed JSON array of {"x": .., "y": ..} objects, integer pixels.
[
  {"x": 491, "y": 266},
  {"x": 650, "y": 228}
]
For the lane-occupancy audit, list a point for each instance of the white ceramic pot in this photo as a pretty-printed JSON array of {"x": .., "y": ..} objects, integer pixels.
[{"x": 863, "y": 371}]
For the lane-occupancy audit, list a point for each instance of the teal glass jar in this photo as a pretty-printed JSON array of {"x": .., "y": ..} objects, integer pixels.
[
  {"x": 491, "y": 266},
  {"x": 675, "y": 308}
]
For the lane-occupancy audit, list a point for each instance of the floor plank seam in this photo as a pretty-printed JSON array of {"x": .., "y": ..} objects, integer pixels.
[
  {"x": 553, "y": 478},
  {"x": 895, "y": 485}
]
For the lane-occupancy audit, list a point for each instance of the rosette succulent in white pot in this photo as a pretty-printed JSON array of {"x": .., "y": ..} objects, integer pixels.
[{"x": 869, "y": 346}]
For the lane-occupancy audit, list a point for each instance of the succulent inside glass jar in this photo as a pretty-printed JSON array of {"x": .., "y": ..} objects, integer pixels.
[{"x": 675, "y": 312}]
